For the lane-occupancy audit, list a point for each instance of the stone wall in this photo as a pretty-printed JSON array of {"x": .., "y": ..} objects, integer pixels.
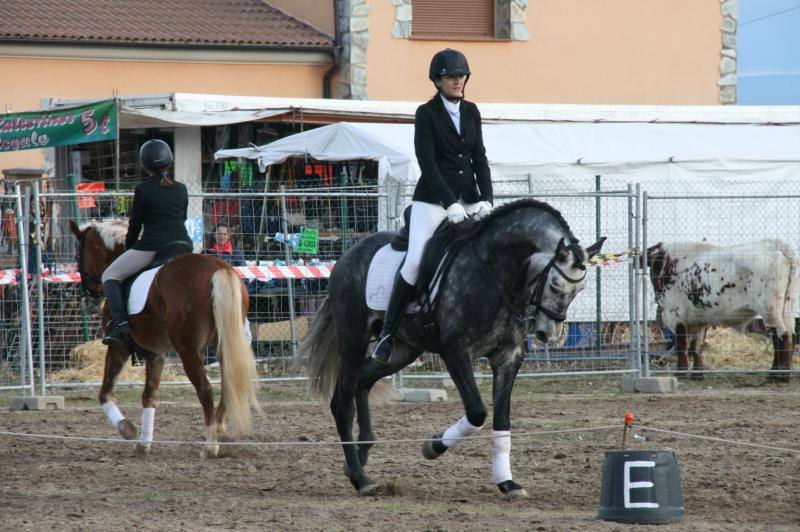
[{"x": 727, "y": 65}]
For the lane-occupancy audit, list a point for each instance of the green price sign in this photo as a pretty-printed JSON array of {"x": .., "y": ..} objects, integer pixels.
[{"x": 309, "y": 239}]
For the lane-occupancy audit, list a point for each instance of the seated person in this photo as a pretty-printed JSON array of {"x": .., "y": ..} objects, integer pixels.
[{"x": 223, "y": 248}]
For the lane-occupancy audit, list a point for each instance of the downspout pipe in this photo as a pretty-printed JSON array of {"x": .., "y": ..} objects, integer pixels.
[{"x": 335, "y": 51}]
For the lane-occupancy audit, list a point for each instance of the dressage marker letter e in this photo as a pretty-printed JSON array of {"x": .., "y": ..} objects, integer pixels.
[{"x": 628, "y": 485}]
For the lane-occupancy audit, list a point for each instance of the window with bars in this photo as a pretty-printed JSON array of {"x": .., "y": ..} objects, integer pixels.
[{"x": 455, "y": 19}]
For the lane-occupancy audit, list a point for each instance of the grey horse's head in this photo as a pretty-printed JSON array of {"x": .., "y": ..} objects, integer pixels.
[{"x": 553, "y": 280}]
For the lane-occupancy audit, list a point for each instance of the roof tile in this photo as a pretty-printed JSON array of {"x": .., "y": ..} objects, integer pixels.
[{"x": 187, "y": 22}]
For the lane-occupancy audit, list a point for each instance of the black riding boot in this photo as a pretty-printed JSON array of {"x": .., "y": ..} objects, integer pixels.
[
  {"x": 120, "y": 327},
  {"x": 401, "y": 294}
]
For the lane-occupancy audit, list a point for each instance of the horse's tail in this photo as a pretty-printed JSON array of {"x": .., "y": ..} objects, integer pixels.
[
  {"x": 237, "y": 360},
  {"x": 319, "y": 351},
  {"x": 790, "y": 298}
]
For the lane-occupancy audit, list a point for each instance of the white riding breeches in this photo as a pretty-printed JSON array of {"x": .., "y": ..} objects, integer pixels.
[
  {"x": 127, "y": 264},
  {"x": 425, "y": 218}
]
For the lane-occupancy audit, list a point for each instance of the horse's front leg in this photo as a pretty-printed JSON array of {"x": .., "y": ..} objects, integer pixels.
[
  {"x": 504, "y": 373},
  {"x": 459, "y": 365},
  {"x": 696, "y": 351},
  {"x": 115, "y": 361},
  {"x": 402, "y": 355},
  {"x": 782, "y": 355},
  {"x": 154, "y": 366},
  {"x": 682, "y": 350}
]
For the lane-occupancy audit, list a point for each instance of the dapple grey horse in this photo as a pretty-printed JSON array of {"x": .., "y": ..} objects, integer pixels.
[{"x": 514, "y": 273}]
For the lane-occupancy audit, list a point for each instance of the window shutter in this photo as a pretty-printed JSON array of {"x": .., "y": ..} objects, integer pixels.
[{"x": 460, "y": 19}]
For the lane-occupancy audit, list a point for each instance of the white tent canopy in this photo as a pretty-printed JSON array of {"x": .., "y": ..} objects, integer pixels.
[
  {"x": 336, "y": 142},
  {"x": 563, "y": 158}
]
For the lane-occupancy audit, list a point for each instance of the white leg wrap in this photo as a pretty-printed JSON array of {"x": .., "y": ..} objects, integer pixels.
[
  {"x": 112, "y": 413},
  {"x": 148, "y": 419},
  {"x": 501, "y": 456},
  {"x": 460, "y": 429}
]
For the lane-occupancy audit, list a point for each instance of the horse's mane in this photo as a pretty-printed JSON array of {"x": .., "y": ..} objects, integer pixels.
[
  {"x": 112, "y": 231},
  {"x": 474, "y": 229}
]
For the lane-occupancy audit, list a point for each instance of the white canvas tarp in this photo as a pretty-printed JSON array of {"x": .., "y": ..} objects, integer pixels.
[{"x": 687, "y": 159}]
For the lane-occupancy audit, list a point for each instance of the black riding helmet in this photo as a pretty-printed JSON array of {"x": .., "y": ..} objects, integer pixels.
[
  {"x": 448, "y": 62},
  {"x": 155, "y": 155}
]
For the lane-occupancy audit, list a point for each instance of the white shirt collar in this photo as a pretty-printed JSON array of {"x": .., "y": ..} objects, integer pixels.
[{"x": 452, "y": 107}]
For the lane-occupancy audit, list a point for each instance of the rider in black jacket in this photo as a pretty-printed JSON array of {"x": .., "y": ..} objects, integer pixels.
[
  {"x": 159, "y": 205},
  {"x": 455, "y": 181}
]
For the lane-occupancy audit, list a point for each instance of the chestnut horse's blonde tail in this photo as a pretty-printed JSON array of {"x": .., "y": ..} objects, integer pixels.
[
  {"x": 237, "y": 360},
  {"x": 319, "y": 351}
]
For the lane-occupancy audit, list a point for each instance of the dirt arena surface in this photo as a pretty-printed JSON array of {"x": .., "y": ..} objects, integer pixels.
[{"x": 79, "y": 485}]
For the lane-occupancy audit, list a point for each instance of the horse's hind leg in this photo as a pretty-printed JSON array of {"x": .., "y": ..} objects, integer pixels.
[
  {"x": 343, "y": 410},
  {"x": 219, "y": 418},
  {"x": 402, "y": 355},
  {"x": 193, "y": 366},
  {"x": 154, "y": 366},
  {"x": 115, "y": 361}
]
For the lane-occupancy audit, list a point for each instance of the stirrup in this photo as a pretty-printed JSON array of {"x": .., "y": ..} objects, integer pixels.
[
  {"x": 383, "y": 349},
  {"x": 118, "y": 334}
]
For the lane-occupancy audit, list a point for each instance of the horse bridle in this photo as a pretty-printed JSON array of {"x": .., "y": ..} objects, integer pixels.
[
  {"x": 85, "y": 278},
  {"x": 534, "y": 304},
  {"x": 535, "y": 301}
]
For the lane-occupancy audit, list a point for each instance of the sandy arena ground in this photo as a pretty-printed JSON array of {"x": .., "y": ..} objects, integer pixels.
[{"x": 80, "y": 485}]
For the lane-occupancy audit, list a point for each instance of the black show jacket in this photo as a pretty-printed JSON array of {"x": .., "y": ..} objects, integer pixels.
[
  {"x": 453, "y": 166},
  {"x": 162, "y": 212}
]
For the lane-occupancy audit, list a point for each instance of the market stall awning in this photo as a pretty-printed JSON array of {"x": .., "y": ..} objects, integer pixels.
[{"x": 133, "y": 118}]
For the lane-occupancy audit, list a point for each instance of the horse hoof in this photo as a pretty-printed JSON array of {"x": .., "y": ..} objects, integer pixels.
[
  {"x": 696, "y": 377},
  {"x": 515, "y": 495},
  {"x": 369, "y": 490},
  {"x": 141, "y": 450},
  {"x": 433, "y": 448},
  {"x": 210, "y": 451},
  {"x": 128, "y": 429},
  {"x": 512, "y": 491}
]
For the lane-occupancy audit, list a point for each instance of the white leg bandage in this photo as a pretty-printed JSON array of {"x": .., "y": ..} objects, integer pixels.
[
  {"x": 501, "y": 456},
  {"x": 112, "y": 413},
  {"x": 461, "y": 429},
  {"x": 148, "y": 419}
]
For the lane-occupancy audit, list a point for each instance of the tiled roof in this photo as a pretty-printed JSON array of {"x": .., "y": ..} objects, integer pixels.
[{"x": 213, "y": 23}]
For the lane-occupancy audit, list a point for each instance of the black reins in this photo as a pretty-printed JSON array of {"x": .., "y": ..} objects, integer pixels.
[
  {"x": 535, "y": 301},
  {"x": 85, "y": 278},
  {"x": 534, "y": 304}
]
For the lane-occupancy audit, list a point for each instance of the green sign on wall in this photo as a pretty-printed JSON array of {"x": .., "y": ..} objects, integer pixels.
[{"x": 60, "y": 127}]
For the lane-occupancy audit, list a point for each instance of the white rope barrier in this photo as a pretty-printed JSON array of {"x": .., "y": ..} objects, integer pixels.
[
  {"x": 294, "y": 443},
  {"x": 720, "y": 440},
  {"x": 404, "y": 440}
]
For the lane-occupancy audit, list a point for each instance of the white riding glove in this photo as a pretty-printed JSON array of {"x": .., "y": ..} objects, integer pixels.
[
  {"x": 484, "y": 208},
  {"x": 456, "y": 213}
]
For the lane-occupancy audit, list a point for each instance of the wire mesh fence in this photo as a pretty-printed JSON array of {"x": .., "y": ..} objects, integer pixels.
[
  {"x": 735, "y": 224},
  {"x": 264, "y": 221}
]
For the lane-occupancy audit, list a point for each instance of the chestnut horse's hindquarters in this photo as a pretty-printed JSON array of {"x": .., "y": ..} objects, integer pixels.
[{"x": 237, "y": 359}]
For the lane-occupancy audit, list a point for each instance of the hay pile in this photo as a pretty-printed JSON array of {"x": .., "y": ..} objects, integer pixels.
[
  {"x": 87, "y": 362},
  {"x": 727, "y": 349}
]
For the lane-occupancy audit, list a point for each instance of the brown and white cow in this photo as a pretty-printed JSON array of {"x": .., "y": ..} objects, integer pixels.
[{"x": 698, "y": 285}]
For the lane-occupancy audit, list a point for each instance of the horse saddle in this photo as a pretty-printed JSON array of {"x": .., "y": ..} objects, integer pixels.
[
  {"x": 383, "y": 268},
  {"x": 136, "y": 287}
]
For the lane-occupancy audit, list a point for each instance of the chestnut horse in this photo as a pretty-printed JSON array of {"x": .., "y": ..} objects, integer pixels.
[{"x": 194, "y": 300}]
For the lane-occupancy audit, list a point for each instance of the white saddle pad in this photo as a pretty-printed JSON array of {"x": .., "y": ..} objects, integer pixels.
[
  {"x": 380, "y": 279},
  {"x": 139, "y": 291}
]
